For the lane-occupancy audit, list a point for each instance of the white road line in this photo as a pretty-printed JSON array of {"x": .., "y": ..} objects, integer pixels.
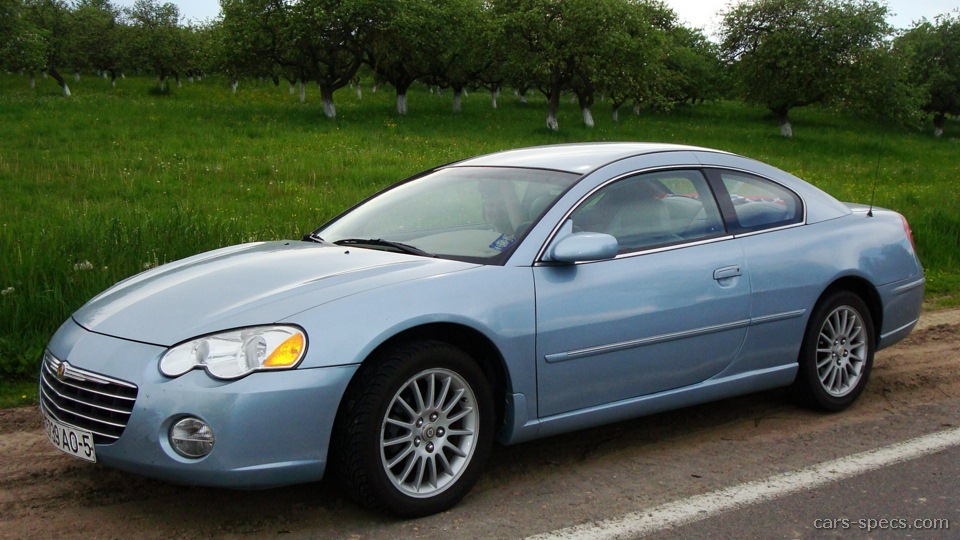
[{"x": 701, "y": 507}]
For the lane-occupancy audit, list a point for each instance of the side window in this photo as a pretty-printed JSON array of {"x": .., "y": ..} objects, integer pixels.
[
  {"x": 652, "y": 210},
  {"x": 760, "y": 204}
]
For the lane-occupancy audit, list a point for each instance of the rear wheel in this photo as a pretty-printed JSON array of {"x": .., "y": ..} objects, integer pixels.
[
  {"x": 416, "y": 430},
  {"x": 836, "y": 356}
]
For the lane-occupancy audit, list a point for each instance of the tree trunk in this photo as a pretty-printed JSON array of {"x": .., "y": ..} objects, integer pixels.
[
  {"x": 326, "y": 97},
  {"x": 493, "y": 97},
  {"x": 402, "y": 88},
  {"x": 587, "y": 117},
  {"x": 616, "y": 113},
  {"x": 359, "y": 92},
  {"x": 76, "y": 75},
  {"x": 458, "y": 100},
  {"x": 553, "y": 107},
  {"x": 636, "y": 109},
  {"x": 783, "y": 117},
  {"x": 33, "y": 80},
  {"x": 938, "y": 122},
  {"x": 234, "y": 85},
  {"x": 303, "y": 91},
  {"x": 586, "y": 102},
  {"x": 60, "y": 80}
]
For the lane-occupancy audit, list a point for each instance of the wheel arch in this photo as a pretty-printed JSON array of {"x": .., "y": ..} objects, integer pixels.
[
  {"x": 867, "y": 292},
  {"x": 473, "y": 342}
]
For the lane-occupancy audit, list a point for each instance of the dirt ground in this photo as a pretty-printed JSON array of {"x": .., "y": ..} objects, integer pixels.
[{"x": 526, "y": 489}]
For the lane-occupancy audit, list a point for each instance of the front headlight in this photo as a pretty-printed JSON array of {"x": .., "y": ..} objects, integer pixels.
[{"x": 233, "y": 354}]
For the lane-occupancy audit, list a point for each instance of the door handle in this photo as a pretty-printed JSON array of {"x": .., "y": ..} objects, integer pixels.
[{"x": 727, "y": 272}]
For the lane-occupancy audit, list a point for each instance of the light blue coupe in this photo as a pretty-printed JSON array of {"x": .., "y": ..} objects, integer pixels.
[{"x": 510, "y": 296}]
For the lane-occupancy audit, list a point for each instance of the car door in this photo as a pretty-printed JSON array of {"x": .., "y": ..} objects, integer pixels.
[{"x": 669, "y": 311}]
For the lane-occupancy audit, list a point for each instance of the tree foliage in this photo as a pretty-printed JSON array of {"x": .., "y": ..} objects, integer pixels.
[
  {"x": 793, "y": 53},
  {"x": 931, "y": 53},
  {"x": 780, "y": 54}
]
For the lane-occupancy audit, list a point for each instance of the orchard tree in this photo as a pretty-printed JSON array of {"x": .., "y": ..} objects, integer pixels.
[
  {"x": 157, "y": 40},
  {"x": 47, "y": 25},
  {"x": 328, "y": 39},
  {"x": 643, "y": 75},
  {"x": 398, "y": 48},
  {"x": 693, "y": 63},
  {"x": 254, "y": 39},
  {"x": 97, "y": 36},
  {"x": 931, "y": 51},
  {"x": 456, "y": 52},
  {"x": 23, "y": 46},
  {"x": 793, "y": 53}
]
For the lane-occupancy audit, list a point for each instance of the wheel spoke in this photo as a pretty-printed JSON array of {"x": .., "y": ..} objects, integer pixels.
[
  {"x": 453, "y": 402},
  {"x": 400, "y": 457}
]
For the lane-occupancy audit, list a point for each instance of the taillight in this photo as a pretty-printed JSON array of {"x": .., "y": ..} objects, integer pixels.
[{"x": 908, "y": 232}]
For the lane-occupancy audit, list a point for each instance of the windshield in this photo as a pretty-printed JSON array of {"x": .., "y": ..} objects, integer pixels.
[{"x": 468, "y": 213}]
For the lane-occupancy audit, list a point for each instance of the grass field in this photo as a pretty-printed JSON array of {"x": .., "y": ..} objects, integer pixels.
[{"x": 104, "y": 184}]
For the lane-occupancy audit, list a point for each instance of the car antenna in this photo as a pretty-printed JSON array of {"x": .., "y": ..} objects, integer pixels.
[{"x": 876, "y": 173}]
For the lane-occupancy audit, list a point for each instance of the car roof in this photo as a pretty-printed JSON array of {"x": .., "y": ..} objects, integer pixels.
[{"x": 579, "y": 158}]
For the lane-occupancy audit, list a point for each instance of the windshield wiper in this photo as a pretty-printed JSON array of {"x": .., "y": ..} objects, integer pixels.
[
  {"x": 312, "y": 238},
  {"x": 379, "y": 242}
]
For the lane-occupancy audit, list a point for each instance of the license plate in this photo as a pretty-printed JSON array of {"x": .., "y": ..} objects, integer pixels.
[{"x": 74, "y": 441}]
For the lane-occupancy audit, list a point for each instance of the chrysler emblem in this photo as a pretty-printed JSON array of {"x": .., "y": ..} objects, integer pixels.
[{"x": 62, "y": 370}]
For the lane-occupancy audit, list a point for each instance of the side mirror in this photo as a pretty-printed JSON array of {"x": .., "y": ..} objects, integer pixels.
[{"x": 582, "y": 247}]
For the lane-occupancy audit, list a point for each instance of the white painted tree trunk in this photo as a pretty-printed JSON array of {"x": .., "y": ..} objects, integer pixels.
[
  {"x": 458, "y": 101},
  {"x": 587, "y": 117},
  {"x": 190, "y": 79},
  {"x": 523, "y": 99},
  {"x": 374, "y": 89},
  {"x": 359, "y": 92},
  {"x": 616, "y": 114},
  {"x": 66, "y": 90},
  {"x": 786, "y": 128},
  {"x": 329, "y": 109},
  {"x": 179, "y": 83},
  {"x": 293, "y": 89},
  {"x": 113, "y": 83},
  {"x": 104, "y": 75},
  {"x": 33, "y": 81},
  {"x": 636, "y": 109},
  {"x": 401, "y": 104},
  {"x": 234, "y": 85},
  {"x": 938, "y": 132},
  {"x": 303, "y": 91},
  {"x": 493, "y": 97},
  {"x": 552, "y": 123},
  {"x": 76, "y": 76}
]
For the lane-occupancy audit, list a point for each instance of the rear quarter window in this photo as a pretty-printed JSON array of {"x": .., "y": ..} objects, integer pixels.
[{"x": 756, "y": 203}]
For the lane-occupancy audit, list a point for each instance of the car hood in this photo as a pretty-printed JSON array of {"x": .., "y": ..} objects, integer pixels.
[{"x": 245, "y": 285}]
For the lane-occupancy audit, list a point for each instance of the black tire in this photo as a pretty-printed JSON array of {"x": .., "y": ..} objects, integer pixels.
[
  {"x": 442, "y": 446},
  {"x": 836, "y": 355}
]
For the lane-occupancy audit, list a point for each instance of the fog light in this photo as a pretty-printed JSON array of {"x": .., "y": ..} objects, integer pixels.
[{"x": 191, "y": 438}]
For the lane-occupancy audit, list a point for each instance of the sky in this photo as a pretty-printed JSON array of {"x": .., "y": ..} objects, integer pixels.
[{"x": 697, "y": 13}]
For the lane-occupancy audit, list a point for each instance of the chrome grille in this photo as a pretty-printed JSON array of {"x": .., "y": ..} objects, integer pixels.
[{"x": 86, "y": 400}]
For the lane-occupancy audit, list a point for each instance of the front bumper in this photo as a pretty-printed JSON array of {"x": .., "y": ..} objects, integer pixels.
[{"x": 271, "y": 428}]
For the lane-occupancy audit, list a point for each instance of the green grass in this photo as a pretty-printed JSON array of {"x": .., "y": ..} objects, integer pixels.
[{"x": 99, "y": 186}]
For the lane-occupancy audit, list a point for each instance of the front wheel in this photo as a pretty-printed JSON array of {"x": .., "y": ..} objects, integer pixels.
[
  {"x": 417, "y": 430},
  {"x": 836, "y": 355}
]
